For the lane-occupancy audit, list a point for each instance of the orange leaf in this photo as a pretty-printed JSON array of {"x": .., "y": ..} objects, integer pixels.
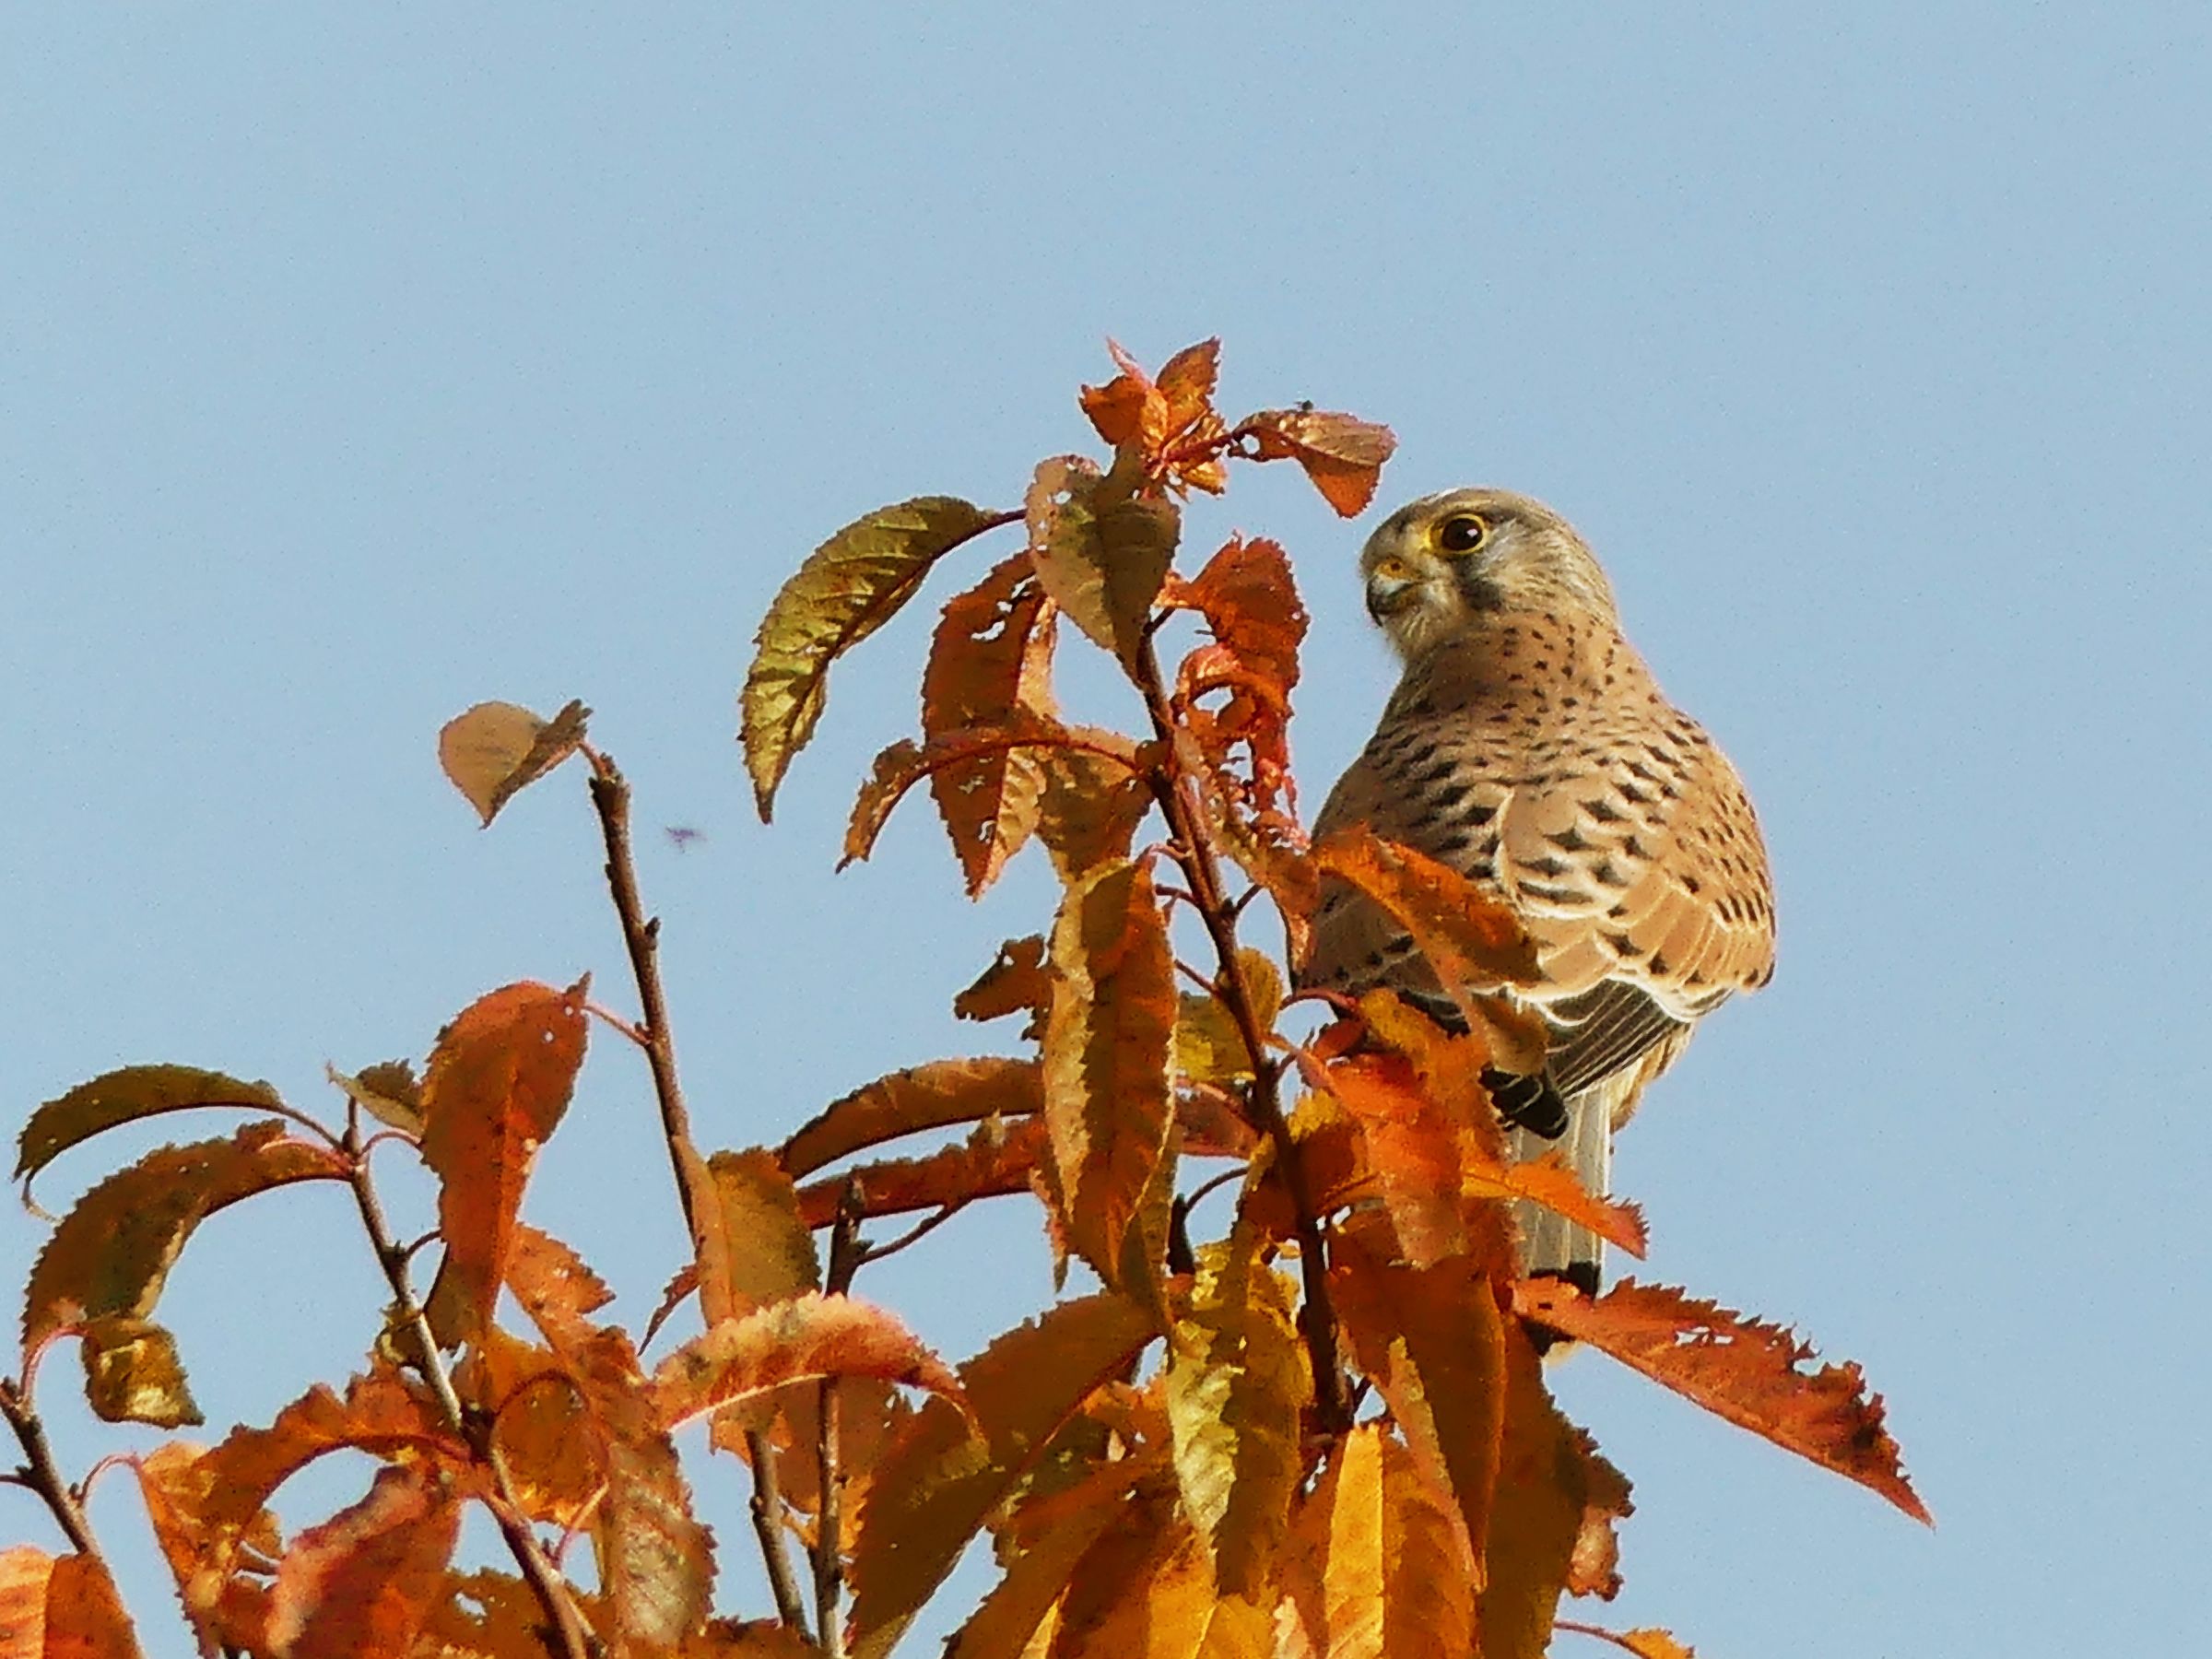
[
  {"x": 111, "y": 1254},
  {"x": 363, "y": 1581},
  {"x": 1751, "y": 1373},
  {"x": 1472, "y": 940},
  {"x": 125, "y": 1097},
  {"x": 990, "y": 666},
  {"x": 1389, "y": 1571},
  {"x": 1101, "y": 553},
  {"x": 1544, "y": 1491},
  {"x": 905, "y": 763},
  {"x": 133, "y": 1374},
  {"x": 849, "y": 587},
  {"x": 537, "y": 1423},
  {"x": 770, "y": 1247},
  {"x": 994, "y": 1161},
  {"x": 1647, "y": 1643},
  {"x": 1168, "y": 427},
  {"x": 1431, "y": 1338},
  {"x": 940, "y": 1479},
  {"x": 60, "y": 1607},
  {"x": 1142, "y": 1590},
  {"x": 486, "y": 1616},
  {"x": 1036, "y": 1576},
  {"x": 1250, "y": 605},
  {"x": 498, "y": 1084},
  {"x": 1016, "y": 981},
  {"x": 1341, "y": 454},
  {"x": 655, "y": 1561},
  {"x": 1091, "y": 809},
  {"x": 1548, "y": 1181},
  {"x": 1413, "y": 1150},
  {"x": 805, "y": 1336},
  {"x": 1106, "y": 1047},
  {"x": 1595, "y": 1566},
  {"x": 175, "y": 1480},
  {"x": 497, "y": 749},
  {"x": 924, "y": 1097}
]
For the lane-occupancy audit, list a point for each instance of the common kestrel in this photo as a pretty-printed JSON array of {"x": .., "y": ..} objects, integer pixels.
[{"x": 1528, "y": 747}]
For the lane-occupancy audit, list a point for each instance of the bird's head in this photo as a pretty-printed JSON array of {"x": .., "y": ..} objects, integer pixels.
[{"x": 1439, "y": 564}]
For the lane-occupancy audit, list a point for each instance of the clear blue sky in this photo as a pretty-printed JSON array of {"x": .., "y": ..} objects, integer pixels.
[{"x": 357, "y": 364}]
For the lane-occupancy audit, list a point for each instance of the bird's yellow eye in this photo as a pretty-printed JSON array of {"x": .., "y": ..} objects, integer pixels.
[{"x": 1462, "y": 533}]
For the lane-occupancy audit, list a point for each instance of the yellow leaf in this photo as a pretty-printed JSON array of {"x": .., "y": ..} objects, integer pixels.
[
  {"x": 849, "y": 587},
  {"x": 497, "y": 749},
  {"x": 133, "y": 1374},
  {"x": 771, "y": 1248},
  {"x": 1384, "y": 1568}
]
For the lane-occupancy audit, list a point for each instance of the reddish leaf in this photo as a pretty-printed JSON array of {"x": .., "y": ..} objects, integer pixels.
[
  {"x": 125, "y": 1097},
  {"x": 1100, "y": 552},
  {"x": 849, "y": 587},
  {"x": 938, "y": 1483},
  {"x": 1170, "y": 427},
  {"x": 538, "y": 1423},
  {"x": 486, "y": 1616},
  {"x": 1647, "y": 1643},
  {"x": 1751, "y": 1373},
  {"x": 906, "y": 1103},
  {"x": 1433, "y": 1340},
  {"x": 1106, "y": 1048},
  {"x": 998, "y": 1158},
  {"x": 498, "y": 1084},
  {"x": 1250, "y": 605},
  {"x": 1413, "y": 1150},
  {"x": 655, "y": 1561},
  {"x": 133, "y": 1374},
  {"x": 1473, "y": 942},
  {"x": 111, "y": 1255},
  {"x": 904, "y": 764},
  {"x": 363, "y": 1581},
  {"x": 805, "y": 1336},
  {"x": 60, "y": 1607},
  {"x": 1342, "y": 455},
  {"x": 990, "y": 666},
  {"x": 493, "y": 751},
  {"x": 176, "y": 1481}
]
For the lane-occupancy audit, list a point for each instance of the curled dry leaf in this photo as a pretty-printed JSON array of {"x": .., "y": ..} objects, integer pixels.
[
  {"x": 906, "y": 1103},
  {"x": 1016, "y": 982},
  {"x": 1168, "y": 425},
  {"x": 803, "y": 1337},
  {"x": 133, "y": 1374},
  {"x": 496, "y": 750},
  {"x": 849, "y": 587},
  {"x": 1751, "y": 1373},
  {"x": 125, "y": 1097},
  {"x": 1341, "y": 454}
]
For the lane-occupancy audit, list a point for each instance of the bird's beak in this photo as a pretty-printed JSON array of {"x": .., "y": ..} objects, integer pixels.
[{"x": 1387, "y": 595}]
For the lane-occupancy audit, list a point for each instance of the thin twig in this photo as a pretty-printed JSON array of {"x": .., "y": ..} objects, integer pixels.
[
  {"x": 1599, "y": 1631},
  {"x": 847, "y": 1253},
  {"x": 42, "y": 1475},
  {"x": 545, "y": 1579},
  {"x": 640, "y": 936},
  {"x": 912, "y": 1235},
  {"x": 1194, "y": 851}
]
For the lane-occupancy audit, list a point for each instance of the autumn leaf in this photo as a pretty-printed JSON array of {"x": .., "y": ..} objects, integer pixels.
[
  {"x": 1342, "y": 455},
  {"x": 994, "y": 1160},
  {"x": 60, "y": 1607},
  {"x": 1387, "y": 1571},
  {"x": 1549, "y": 1476},
  {"x": 771, "y": 1248},
  {"x": 125, "y": 1097},
  {"x": 1091, "y": 808},
  {"x": 1549, "y": 1182},
  {"x": 1106, "y": 1049},
  {"x": 1646, "y": 1643},
  {"x": 848, "y": 587},
  {"x": 1144, "y": 1590},
  {"x": 176, "y": 1480},
  {"x": 1595, "y": 1566},
  {"x": 906, "y": 1103},
  {"x": 1237, "y": 1382},
  {"x": 802, "y": 1337},
  {"x": 940, "y": 1479},
  {"x": 133, "y": 1374},
  {"x": 655, "y": 1561},
  {"x": 538, "y": 1423},
  {"x": 388, "y": 1091},
  {"x": 1415, "y": 1150},
  {"x": 498, "y": 1084},
  {"x": 1471, "y": 940},
  {"x": 1431, "y": 1338},
  {"x": 364, "y": 1581},
  {"x": 494, "y": 750},
  {"x": 1753, "y": 1374},
  {"x": 1168, "y": 425},
  {"x": 1016, "y": 982},
  {"x": 989, "y": 665},
  {"x": 486, "y": 1616},
  {"x": 111, "y": 1254},
  {"x": 1101, "y": 553},
  {"x": 1035, "y": 1579}
]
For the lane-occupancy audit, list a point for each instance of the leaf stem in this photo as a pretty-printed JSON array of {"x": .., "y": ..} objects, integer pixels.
[
  {"x": 847, "y": 1254},
  {"x": 41, "y": 1473},
  {"x": 694, "y": 1186},
  {"x": 1193, "y": 850}
]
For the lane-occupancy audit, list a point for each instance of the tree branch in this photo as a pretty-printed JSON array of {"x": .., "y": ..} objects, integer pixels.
[
  {"x": 847, "y": 1253},
  {"x": 42, "y": 1475}
]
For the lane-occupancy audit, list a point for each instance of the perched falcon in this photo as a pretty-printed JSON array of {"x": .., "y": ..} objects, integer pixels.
[{"x": 1528, "y": 747}]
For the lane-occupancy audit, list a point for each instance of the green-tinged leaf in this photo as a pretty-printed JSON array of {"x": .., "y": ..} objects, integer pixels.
[
  {"x": 123, "y": 1097},
  {"x": 1106, "y": 1049},
  {"x": 1100, "y": 552},
  {"x": 1091, "y": 809},
  {"x": 941, "y": 1478},
  {"x": 363, "y": 1581},
  {"x": 496, "y": 750},
  {"x": 655, "y": 1561},
  {"x": 133, "y": 1374},
  {"x": 1433, "y": 1340},
  {"x": 498, "y": 1084},
  {"x": 849, "y": 587},
  {"x": 388, "y": 1091},
  {"x": 1236, "y": 1383},
  {"x": 111, "y": 1254},
  {"x": 1209, "y": 1047},
  {"x": 771, "y": 1248},
  {"x": 804, "y": 1337},
  {"x": 60, "y": 1607},
  {"x": 906, "y": 1103}
]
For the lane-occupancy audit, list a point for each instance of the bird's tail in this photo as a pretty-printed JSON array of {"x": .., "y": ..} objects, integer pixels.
[{"x": 1549, "y": 1242}]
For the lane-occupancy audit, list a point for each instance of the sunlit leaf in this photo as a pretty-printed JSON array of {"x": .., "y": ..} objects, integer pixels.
[
  {"x": 1472, "y": 941},
  {"x": 1169, "y": 425},
  {"x": 133, "y": 1374},
  {"x": 1106, "y": 1050},
  {"x": 60, "y": 1607},
  {"x": 125, "y": 1097},
  {"x": 905, "y": 763},
  {"x": 111, "y": 1254},
  {"x": 1016, "y": 982},
  {"x": 1389, "y": 1572},
  {"x": 1341, "y": 454},
  {"x": 849, "y": 587},
  {"x": 485, "y": 1616},
  {"x": 1753, "y": 1374},
  {"x": 1250, "y": 606},
  {"x": 175, "y": 1480},
  {"x": 805, "y": 1336},
  {"x": 538, "y": 1423},
  {"x": 923, "y": 1097},
  {"x": 1100, "y": 552},
  {"x": 1036, "y": 1578},
  {"x": 363, "y": 1581},
  {"x": 871, "y": 1414},
  {"x": 1091, "y": 809},
  {"x": 1143, "y": 1591},
  {"x": 497, "y": 749},
  {"x": 388, "y": 1091},
  {"x": 941, "y": 1478},
  {"x": 1595, "y": 1566},
  {"x": 498, "y": 1084},
  {"x": 997, "y": 1158}
]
